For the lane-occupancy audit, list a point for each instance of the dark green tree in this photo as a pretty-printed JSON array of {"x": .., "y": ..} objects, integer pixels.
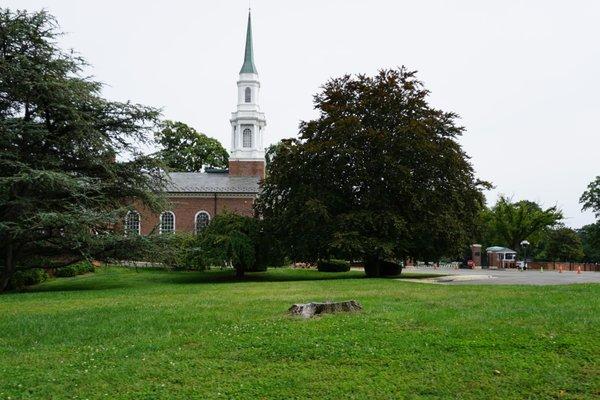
[
  {"x": 563, "y": 244},
  {"x": 590, "y": 239},
  {"x": 272, "y": 152},
  {"x": 508, "y": 223},
  {"x": 378, "y": 175},
  {"x": 590, "y": 199},
  {"x": 590, "y": 234},
  {"x": 186, "y": 150},
  {"x": 61, "y": 192},
  {"x": 234, "y": 240}
]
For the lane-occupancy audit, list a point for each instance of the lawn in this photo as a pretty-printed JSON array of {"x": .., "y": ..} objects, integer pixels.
[{"x": 125, "y": 334}]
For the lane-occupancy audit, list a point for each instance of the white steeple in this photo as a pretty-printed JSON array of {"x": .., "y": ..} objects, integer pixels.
[{"x": 248, "y": 122}]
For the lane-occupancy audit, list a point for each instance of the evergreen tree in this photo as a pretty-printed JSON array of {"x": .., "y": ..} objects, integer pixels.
[{"x": 61, "y": 191}]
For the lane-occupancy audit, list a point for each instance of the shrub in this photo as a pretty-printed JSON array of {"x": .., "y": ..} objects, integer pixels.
[
  {"x": 75, "y": 269},
  {"x": 65, "y": 271},
  {"x": 389, "y": 268},
  {"x": 28, "y": 277},
  {"x": 378, "y": 268},
  {"x": 333, "y": 266}
]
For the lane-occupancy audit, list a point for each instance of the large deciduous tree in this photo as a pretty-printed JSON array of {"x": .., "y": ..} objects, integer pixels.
[
  {"x": 508, "y": 223},
  {"x": 61, "y": 191},
  {"x": 590, "y": 234},
  {"x": 590, "y": 199},
  {"x": 563, "y": 244},
  {"x": 378, "y": 175},
  {"x": 186, "y": 150}
]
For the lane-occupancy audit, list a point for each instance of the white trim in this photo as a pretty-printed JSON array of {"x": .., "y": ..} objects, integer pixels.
[
  {"x": 160, "y": 222},
  {"x": 196, "y": 219},
  {"x": 247, "y": 137}
]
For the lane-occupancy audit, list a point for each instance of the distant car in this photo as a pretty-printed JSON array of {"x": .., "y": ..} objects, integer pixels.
[
  {"x": 471, "y": 264},
  {"x": 522, "y": 265}
]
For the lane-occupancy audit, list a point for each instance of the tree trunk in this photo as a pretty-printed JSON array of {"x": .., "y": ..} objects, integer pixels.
[
  {"x": 309, "y": 310},
  {"x": 9, "y": 268}
]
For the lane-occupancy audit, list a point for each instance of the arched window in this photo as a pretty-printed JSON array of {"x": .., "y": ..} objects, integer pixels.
[
  {"x": 202, "y": 220},
  {"x": 132, "y": 222},
  {"x": 248, "y": 95},
  {"x": 167, "y": 222},
  {"x": 247, "y": 137}
]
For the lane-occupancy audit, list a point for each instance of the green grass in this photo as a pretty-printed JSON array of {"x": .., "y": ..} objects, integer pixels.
[{"x": 180, "y": 335}]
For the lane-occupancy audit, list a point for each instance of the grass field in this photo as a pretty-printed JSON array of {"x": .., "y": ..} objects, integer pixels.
[{"x": 181, "y": 335}]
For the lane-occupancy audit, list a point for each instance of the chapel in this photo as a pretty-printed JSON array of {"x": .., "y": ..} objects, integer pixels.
[{"x": 196, "y": 197}]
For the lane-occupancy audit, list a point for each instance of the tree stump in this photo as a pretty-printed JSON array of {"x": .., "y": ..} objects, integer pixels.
[{"x": 309, "y": 310}]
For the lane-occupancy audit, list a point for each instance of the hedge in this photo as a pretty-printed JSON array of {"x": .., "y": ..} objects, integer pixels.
[{"x": 333, "y": 266}]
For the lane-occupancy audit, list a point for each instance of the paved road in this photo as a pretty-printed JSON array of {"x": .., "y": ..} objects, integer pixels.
[{"x": 504, "y": 277}]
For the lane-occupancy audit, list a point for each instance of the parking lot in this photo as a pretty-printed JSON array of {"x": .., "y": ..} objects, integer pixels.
[{"x": 503, "y": 276}]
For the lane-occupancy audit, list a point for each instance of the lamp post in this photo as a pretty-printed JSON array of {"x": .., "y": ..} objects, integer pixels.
[{"x": 524, "y": 245}]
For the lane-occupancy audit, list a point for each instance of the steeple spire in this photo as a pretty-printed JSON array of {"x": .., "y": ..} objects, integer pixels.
[
  {"x": 248, "y": 67},
  {"x": 247, "y": 157}
]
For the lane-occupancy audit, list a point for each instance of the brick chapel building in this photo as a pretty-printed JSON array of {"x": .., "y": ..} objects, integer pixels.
[{"x": 196, "y": 197}]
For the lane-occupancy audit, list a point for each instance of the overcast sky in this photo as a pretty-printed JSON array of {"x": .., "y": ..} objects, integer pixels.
[{"x": 523, "y": 75}]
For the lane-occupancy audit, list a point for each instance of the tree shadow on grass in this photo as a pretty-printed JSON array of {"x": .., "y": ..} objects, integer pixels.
[
  {"x": 67, "y": 285},
  {"x": 272, "y": 275},
  {"x": 281, "y": 275},
  {"x": 111, "y": 278}
]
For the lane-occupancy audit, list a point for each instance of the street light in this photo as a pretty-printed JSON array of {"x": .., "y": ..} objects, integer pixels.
[{"x": 524, "y": 245}]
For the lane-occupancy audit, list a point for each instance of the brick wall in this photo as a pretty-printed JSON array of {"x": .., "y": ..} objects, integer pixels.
[
  {"x": 247, "y": 168},
  {"x": 186, "y": 208},
  {"x": 566, "y": 266}
]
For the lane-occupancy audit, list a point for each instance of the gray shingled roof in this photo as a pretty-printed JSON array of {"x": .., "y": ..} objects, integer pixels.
[
  {"x": 200, "y": 182},
  {"x": 499, "y": 249}
]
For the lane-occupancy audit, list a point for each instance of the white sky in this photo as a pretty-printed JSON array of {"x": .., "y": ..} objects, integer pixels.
[{"x": 524, "y": 75}]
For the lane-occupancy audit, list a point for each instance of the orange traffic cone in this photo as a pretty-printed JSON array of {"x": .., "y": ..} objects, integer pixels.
[{"x": 579, "y": 270}]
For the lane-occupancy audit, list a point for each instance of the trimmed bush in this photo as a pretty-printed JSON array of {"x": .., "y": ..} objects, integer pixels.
[
  {"x": 333, "y": 266},
  {"x": 380, "y": 268},
  {"x": 389, "y": 268},
  {"x": 28, "y": 277}
]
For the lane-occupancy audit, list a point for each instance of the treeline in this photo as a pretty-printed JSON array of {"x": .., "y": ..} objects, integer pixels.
[
  {"x": 378, "y": 176},
  {"x": 508, "y": 223}
]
